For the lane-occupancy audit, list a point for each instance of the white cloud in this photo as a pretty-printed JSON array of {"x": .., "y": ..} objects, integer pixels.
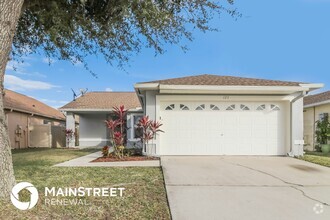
[
  {"x": 108, "y": 89},
  {"x": 20, "y": 68},
  {"x": 53, "y": 101},
  {"x": 17, "y": 84},
  {"x": 48, "y": 60}
]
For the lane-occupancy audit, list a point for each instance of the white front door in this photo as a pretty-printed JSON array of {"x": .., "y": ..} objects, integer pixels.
[{"x": 223, "y": 128}]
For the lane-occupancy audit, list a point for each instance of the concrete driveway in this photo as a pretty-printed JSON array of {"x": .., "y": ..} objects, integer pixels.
[{"x": 237, "y": 187}]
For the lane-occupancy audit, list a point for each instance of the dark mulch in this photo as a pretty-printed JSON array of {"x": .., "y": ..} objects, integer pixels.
[{"x": 130, "y": 158}]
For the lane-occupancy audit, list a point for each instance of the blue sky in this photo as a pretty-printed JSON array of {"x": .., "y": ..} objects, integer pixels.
[{"x": 285, "y": 40}]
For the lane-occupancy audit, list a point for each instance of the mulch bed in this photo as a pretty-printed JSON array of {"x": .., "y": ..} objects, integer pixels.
[{"x": 131, "y": 158}]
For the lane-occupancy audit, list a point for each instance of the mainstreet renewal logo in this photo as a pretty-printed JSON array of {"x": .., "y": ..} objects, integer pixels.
[
  {"x": 15, "y": 197},
  {"x": 59, "y": 193}
]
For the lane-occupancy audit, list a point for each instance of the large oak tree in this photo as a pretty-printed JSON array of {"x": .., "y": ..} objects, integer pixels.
[{"x": 74, "y": 29}]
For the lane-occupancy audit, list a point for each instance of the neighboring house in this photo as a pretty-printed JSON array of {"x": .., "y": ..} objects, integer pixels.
[
  {"x": 32, "y": 123},
  {"x": 211, "y": 115},
  {"x": 315, "y": 108},
  {"x": 93, "y": 108}
]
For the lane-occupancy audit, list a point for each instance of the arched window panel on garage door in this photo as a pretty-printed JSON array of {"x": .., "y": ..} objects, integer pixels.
[
  {"x": 183, "y": 107},
  {"x": 231, "y": 107},
  {"x": 244, "y": 107},
  {"x": 261, "y": 107},
  {"x": 170, "y": 107},
  {"x": 274, "y": 107},
  {"x": 214, "y": 107},
  {"x": 200, "y": 107}
]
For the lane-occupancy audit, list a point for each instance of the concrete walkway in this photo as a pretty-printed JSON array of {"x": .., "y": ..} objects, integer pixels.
[
  {"x": 85, "y": 161},
  {"x": 250, "y": 188}
]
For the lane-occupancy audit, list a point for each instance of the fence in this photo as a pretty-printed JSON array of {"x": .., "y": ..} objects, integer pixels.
[{"x": 47, "y": 136}]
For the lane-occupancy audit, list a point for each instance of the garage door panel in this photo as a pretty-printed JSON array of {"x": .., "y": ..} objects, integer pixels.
[{"x": 221, "y": 131}]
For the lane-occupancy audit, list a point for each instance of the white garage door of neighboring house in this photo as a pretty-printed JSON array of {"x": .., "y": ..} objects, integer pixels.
[{"x": 223, "y": 128}]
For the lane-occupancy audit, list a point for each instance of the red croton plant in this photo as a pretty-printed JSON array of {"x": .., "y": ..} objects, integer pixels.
[
  {"x": 149, "y": 129},
  {"x": 118, "y": 131}
]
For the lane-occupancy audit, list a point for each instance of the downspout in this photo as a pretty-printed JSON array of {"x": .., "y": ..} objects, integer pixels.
[{"x": 303, "y": 94}]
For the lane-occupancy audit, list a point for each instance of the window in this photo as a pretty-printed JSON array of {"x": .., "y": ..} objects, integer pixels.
[
  {"x": 261, "y": 107},
  {"x": 183, "y": 107},
  {"x": 274, "y": 107},
  {"x": 214, "y": 107},
  {"x": 170, "y": 107},
  {"x": 231, "y": 107},
  {"x": 201, "y": 107},
  {"x": 244, "y": 107},
  {"x": 323, "y": 116},
  {"x": 46, "y": 122},
  {"x": 136, "y": 132}
]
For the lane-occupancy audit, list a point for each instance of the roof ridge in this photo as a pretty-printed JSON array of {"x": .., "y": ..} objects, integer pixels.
[{"x": 214, "y": 79}]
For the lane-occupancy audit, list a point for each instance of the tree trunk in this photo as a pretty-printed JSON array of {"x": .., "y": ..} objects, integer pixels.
[{"x": 10, "y": 11}]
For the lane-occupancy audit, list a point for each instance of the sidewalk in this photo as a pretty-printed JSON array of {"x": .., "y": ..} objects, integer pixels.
[{"x": 85, "y": 161}]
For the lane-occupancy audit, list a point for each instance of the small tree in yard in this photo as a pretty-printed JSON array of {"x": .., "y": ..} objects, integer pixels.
[
  {"x": 149, "y": 129},
  {"x": 118, "y": 130},
  {"x": 322, "y": 131}
]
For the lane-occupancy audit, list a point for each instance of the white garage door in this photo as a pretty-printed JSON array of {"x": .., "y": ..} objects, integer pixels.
[{"x": 223, "y": 128}]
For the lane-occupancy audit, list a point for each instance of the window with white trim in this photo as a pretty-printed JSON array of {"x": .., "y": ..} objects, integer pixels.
[
  {"x": 183, "y": 107},
  {"x": 214, "y": 107},
  {"x": 261, "y": 107},
  {"x": 231, "y": 107},
  {"x": 244, "y": 107},
  {"x": 170, "y": 107},
  {"x": 136, "y": 132},
  {"x": 274, "y": 107},
  {"x": 201, "y": 107}
]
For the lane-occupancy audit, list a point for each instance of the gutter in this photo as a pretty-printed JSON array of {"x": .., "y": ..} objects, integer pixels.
[
  {"x": 317, "y": 104},
  {"x": 34, "y": 114}
]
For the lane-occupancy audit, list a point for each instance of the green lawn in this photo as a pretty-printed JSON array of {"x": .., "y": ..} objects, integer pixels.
[
  {"x": 318, "y": 158},
  {"x": 144, "y": 196}
]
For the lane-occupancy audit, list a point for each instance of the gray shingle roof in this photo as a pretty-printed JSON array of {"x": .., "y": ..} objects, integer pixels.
[
  {"x": 317, "y": 98},
  {"x": 20, "y": 102},
  {"x": 105, "y": 100},
  {"x": 218, "y": 80}
]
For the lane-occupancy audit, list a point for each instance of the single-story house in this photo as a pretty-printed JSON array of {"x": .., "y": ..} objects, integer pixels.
[
  {"x": 205, "y": 115},
  {"x": 32, "y": 123},
  {"x": 315, "y": 108},
  {"x": 93, "y": 108}
]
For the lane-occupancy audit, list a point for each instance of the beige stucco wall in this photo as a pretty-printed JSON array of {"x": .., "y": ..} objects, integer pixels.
[
  {"x": 18, "y": 137},
  {"x": 311, "y": 115},
  {"x": 21, "y": 138}
]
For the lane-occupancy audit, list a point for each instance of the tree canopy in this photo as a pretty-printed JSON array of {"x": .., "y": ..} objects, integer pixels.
[{"x": 74, "y": 29}]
